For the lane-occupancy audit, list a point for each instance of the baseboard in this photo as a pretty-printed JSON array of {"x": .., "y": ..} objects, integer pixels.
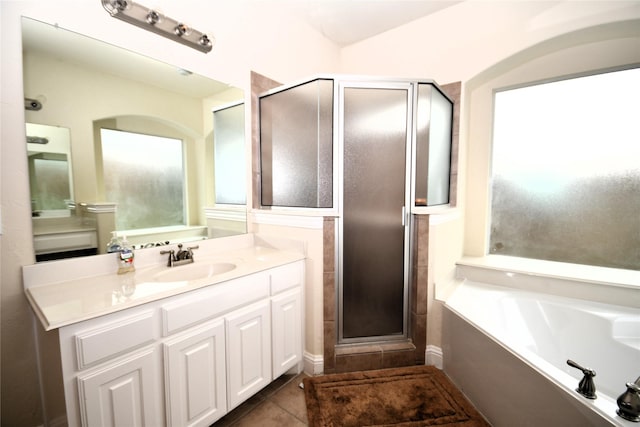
[
  {"x": 433, "y": 356},
  {"x": 313, "y": 364}
]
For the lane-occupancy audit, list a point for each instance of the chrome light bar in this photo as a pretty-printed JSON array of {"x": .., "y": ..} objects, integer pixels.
[{"x": 156, "y": 22}]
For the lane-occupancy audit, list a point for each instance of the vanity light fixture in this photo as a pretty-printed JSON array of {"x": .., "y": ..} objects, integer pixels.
[{"x": 156, "y": 22}]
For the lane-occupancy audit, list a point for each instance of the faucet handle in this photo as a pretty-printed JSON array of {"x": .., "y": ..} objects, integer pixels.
[
  {"x": 629, "y": 402},
  {"x": 190, "y": 248},
  {"x": 586, "y": 387}
]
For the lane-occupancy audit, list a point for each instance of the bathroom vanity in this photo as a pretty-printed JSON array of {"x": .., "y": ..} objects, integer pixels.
[{"x": 172, "y": 346}]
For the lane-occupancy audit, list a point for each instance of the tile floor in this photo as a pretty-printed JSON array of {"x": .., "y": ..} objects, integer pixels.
[{"x": 280, "y": 404}]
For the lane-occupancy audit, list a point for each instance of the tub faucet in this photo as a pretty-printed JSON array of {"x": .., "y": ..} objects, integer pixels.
[
  {"x": 586, "y": 387},
  {"x": 629, "y": 402}
]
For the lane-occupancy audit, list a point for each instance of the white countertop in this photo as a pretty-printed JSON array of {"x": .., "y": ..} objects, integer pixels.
[{"x": 80, "y": 298}]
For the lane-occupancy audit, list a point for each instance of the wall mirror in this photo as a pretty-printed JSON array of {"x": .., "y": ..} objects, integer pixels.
[{"x": 86, "y": 89}]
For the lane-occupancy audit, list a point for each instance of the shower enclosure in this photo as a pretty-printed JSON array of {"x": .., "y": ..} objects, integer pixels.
[{"x": 371, "y": 152}]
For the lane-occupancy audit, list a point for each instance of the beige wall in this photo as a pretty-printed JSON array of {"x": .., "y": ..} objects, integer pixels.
[
  {"x": 312, "y": 238},
  {"x": 460, "y": 43}
]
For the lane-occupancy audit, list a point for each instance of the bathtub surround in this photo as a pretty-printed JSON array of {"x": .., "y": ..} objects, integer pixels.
[
  {"x": 410, "y": 396},
  {"x": 504, "y": 345}
]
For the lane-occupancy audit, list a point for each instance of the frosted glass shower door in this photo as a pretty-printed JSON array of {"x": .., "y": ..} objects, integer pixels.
[{"x": 373, "y": 281}]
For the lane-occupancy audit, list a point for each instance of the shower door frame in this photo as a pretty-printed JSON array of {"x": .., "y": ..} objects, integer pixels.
[{"x": 404, "y": 216}]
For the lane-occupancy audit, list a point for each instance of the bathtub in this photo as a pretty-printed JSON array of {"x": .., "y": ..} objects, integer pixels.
[{"x": 507, "y": 350}]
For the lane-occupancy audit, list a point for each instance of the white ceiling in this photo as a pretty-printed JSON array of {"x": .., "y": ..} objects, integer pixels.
[{"x": 350, "y": 21}]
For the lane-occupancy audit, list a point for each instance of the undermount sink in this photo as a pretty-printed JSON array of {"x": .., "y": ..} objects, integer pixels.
[{"x": 193, "y": 271}]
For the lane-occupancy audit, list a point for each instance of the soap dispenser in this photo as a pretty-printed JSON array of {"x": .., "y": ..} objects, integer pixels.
[
  {"x": 125, "y": 257},
  {"x": 115, "y": 244}
]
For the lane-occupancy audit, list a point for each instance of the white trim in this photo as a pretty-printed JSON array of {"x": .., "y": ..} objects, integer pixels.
[
  {"x": 433, "y": 356},
  {"x": 229, "y": 214},
  {"x": 312, "y": 222},
  {"x": 313, "y": 364},
  {"x": 100, "y": 207},
  {"x": 447, "y": 214}
]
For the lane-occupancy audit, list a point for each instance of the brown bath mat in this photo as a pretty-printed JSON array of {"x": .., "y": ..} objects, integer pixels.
[{"x": 408, "y": 397}]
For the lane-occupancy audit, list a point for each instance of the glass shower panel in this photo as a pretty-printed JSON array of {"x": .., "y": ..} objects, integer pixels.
[
  {"x": 433, "y": 146},
  {"x": 229, "y": 155},
  {"x": 373, "y": 281},
  {"x": 296, "y": 146}
]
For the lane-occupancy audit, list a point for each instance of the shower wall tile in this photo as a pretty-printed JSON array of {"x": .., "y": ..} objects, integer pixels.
[
  {"x": 329, "y": 243},
  {"x": 329, "y": 296},
  {"x": 329, "y": 347},
  {"x": 422, "y": 240},
  {"x": 394, "y": 359},
  {"x": 358, "y": 362},
  {"x": 419, "y": 336},
  {"x": 421, "y": 293}
]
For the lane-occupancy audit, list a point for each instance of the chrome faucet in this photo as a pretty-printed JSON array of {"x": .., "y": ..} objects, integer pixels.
[
  {"x": 181, "y": 257},
  {"x": 586, "y": 387}
]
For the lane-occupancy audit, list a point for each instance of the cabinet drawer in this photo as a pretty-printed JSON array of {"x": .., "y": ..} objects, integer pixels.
[
  {"x": 96, "y": 345},
  {"x": 286, "y": 277},
  {"x": 213, "y": 301}
]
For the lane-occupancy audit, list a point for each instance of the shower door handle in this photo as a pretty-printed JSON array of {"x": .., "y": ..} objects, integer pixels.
[{"x": 405, "y": 217}]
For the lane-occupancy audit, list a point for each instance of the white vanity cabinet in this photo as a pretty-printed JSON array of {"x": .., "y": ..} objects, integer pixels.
[
  {"x": 249, "y": 352},
  {"x": 122, "y": 393},
  {"x": 195, "y": 375},
  {"x": 188, "y": 359},
  {"x": 286, "y": 317},
  {"x": 112, "y": 370}
]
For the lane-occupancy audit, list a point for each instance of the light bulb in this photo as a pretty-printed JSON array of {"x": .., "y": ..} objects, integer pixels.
[
  {"x": 121, "y": 5},
  {"x": 206, "y": 41},
  {"x": 154, "y": 17},
  {"x": 182, "y": 30}
]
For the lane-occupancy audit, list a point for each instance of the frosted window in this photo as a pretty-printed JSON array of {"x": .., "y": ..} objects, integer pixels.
[
  {"x": 229, "y": 154},
  {"x": 433, "y": 147},
  {"x": 49, "y": 181},
  {"x": 296, "y": 146},
  {"x": 566, "y": 171},
  {"x": 144, "y": 175}
]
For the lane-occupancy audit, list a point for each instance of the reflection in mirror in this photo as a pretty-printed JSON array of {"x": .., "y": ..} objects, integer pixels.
[
  {"x": 229, "y": 154},
  {"x": 89, "y": 87},
  {"x": 49, "y": 154},
  {"x": 230, "y": 168},
  {"x": 145, "y": 174}
]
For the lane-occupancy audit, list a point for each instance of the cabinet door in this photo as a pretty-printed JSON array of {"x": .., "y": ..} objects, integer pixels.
[
  {"x": 123, "y": 393},
  {"x": 248, "y": 352},
  {"x": 196, "y": 388},
  {"x": 286, "y": 327}
]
